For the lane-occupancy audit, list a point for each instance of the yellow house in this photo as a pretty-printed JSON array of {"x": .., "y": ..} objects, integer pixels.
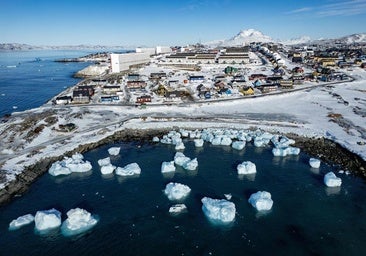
[{"x": 247, "y": 91}]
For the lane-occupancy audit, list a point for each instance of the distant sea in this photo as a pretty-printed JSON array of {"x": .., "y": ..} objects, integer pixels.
[{"x": 28, "y": 79}]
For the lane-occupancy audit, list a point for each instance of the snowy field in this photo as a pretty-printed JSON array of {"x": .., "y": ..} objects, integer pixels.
[{"x": 336, "y": 112}]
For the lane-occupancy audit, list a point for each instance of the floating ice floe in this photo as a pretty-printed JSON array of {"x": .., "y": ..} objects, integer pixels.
[
  {"x": 178, "y": 208},
  {"x": 107, "y": 169},
  {"x": 21, "y": 221},
  {"x": 48, "y": 219},
  {"x": 155, "y": 139},
  {"x": 226, "y": 141},
  {"x": 314, "y": 163},
  {"x": 216, "y": 141},
  {"x": 114, "y": 151},
  {"x": 191, "y": 165},
  {"x": 78, "y": 221},
  {"x": 176, "y": 191},
  {"x": 285, "y": 151},
  {"x": 69, "y": 165},
  {"x": 167, "y": 167},
  {"x": 180, "y": 159},
  {"x": 246, "y": 167},
  {"x": 166, "y": 140},
  {"x": 179, "y": 146},
  {"x": 228, "y": 196},
  {"x": 184, "y": 133},
  {"x": 261, "y": 201},
  {"x": 198, "y": 143},
  {"x": 129, "y": 170},
  {"x": 281, "y": 141},
  {"x": 221, "y": 211},
  {"x": 104, "y": 161},
  {"x": 331, "y": 180},
  {"x": 238, "y": 145}
]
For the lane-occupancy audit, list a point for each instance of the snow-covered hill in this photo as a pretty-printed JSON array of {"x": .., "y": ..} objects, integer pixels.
[
  {"x": 299, "y": 40},
  {"x": 26, "y": 47}
]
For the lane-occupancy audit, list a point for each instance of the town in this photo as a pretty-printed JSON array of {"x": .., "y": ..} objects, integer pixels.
[{"x": 198, "y": 73}]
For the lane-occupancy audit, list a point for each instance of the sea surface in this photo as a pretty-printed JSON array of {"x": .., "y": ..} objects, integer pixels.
[
  {"x": 307, "y": 218},
  {"x": 28, "y": 79}
]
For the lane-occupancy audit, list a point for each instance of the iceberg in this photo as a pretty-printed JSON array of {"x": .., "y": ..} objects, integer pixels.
[
  {"x": 155, "y": 139},
  {"x": 176, "y": 191},
  {"x": 221, "y": 211},
  {"x": 166, "y": 140},
  {"x": 48, "y": 219},
  {"x": 69, "y": 165},
  {"x": 246, "y": 167},
  {"x": 216, "y": 141},
  {"x": 107, "y": 169},
  {"x": 21, "y": 221},
  {"x": 261, "y": 201},
  {"x": 228, "y": 196},
  {"x": 191, "y": 165},
  {"x": 180, "y": 159},
  {"x": 184, "y": 133},
  {"x": 238, "y": 145},
  {"x": 78, "y": 221},
  {"x": 285, "y": 151},
  {"x": 331, "y": 180},
  {"x": 167, "y": 167},
  {"x": 198, "y": 143},
  {"x": 104, "y": 161},
  {"x": 178, "y": 208},
  {"x": 114, "y": 151},
  {"x": 314, "y": 163},
  {"x": 226, "y": 141},
  {"x": 129, "y": 170},
  {"x": 179, "y": 146}
]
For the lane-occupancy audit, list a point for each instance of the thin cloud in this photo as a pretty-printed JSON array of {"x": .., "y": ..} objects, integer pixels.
[
  {"x": 348, "y": 8},
  {"x": 301, "y": 10}
]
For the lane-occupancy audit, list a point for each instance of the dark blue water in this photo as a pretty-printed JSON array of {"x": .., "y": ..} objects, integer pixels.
[
  {"x": 30, "y": 78},
  {"x": 306, "y": 219}
]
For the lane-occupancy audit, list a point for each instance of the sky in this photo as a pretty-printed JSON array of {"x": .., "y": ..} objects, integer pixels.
[{"x": 173, "y": 22}]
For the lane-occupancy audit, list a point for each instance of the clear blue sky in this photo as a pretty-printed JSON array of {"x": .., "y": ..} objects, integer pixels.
[{"x": 173, "y": 22}]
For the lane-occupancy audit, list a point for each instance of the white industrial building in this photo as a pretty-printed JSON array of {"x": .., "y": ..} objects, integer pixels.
[
  {"x": 155, "y": 50},
  {"x": 122, "y": 62}
]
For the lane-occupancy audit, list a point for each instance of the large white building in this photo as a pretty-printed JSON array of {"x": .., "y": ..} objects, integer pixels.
[
  {"x": 155, "y": 50},
  {"x": 122, "y": 62}
]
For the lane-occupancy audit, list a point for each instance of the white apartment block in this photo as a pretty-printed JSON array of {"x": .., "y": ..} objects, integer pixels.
[{"x": 122, "y": 62}]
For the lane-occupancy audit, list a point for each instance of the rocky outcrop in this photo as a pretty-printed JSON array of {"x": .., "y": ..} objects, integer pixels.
[{"x": 92, "y": 70}]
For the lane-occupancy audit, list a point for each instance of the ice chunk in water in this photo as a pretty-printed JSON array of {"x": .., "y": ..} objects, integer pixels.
[
  {"x": 114, "y": 151},
  {"x": 167, "y": 167},
  {"x": 176, "y": 191},
  {"x": 261, "y": 200},
  {"x": 21, "y": 221},
  {"x": 78, "y": 221},
  {"x": 129, "y": 170},
  {"x": 48, "y": 219},
  {"x": 314, "y": 163},
  {"x": 191, "y": 165},
  {"x": 331, "y": 180},
  {"x": 221, "y": 211},
  {"x": 246, "y": 167}
]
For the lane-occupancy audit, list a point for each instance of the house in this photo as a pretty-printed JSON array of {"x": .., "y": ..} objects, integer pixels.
[
  {"x": 87, "y": 88},
  {"x": 133, "y": 77},
  {"x": 257, "y": 76},
  {"x": 196, "y": 78},
  {"x": 67, "y": 127},
  {"x": 136, "y": 85},
  {"x": 63, "y": 100},
  {"x": 247, "y": 91},
  {"x": 266, "y": 88},
  {"x": 157, "y": 76},
  {"x": 143, "y": 99},
  {"x": 111, "y": 89},
  {"x": 173, "y": 82},
  {"x": 274, "y": 79},
  {"x": 106, "y": 99},
  {"x": 230, "y": 70},
  {"x": 287, "y": 83},
  {"x": 298, "y": 79},
  {"x": 174, "y": 95},
  {"x": 80, "y": 97},
  {"x": 297, "y": 70}
]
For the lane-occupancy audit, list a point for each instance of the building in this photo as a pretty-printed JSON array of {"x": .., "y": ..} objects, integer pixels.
[
  {"x": 136, "y": 85},
  {"x": 266, "y": 88},
  {"x": 143, "y": 99},
  {"x": 287, "y": 84},
  {"x": 63, "y": 100},
  {"x": 154, "y": 50},
  {"x": 80, "y": 97},
  {"x": 123, "y": 62},
  {"x": 111, "y": 89}
]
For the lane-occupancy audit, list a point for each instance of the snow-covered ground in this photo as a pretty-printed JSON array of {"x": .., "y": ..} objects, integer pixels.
[{"x": 336, "y": 112}]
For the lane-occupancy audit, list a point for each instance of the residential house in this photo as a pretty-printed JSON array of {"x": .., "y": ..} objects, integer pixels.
[
  {"x": 63, "y": 100},
  {"x": 266, "y": 88},
  {"x": 111, "y": 89},
  {"x": 196, "y": 78},
  {"x": 287, "y": 83},
  {"x": 136, "y": 85},
  {"x": 257, "y": 76},
  {"x": 80, "y": 96},
  {"x": 133, "y": 77},
  {"x": 143, "y": 99},
  {"x": 246, "y": 91}
]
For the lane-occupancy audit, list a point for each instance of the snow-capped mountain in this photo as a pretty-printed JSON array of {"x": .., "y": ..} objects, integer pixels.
[
  {"x": 355, "y": 38},
  {"x": 26, "y": 47},
  {"x": 243, "y": 37}
]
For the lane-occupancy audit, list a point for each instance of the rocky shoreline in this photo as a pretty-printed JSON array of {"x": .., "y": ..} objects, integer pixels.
[{"x": 326, "y": 150}]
